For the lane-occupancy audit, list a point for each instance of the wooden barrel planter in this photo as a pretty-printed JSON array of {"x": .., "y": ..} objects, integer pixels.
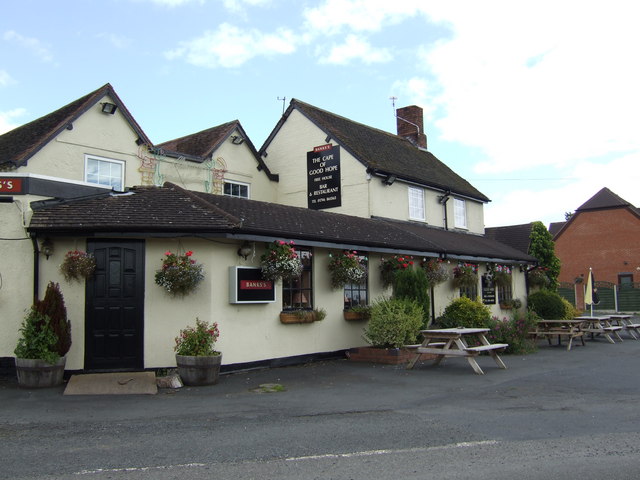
[
  {"x": 198, "y": 371},
  {"x": 36, "y": 373}
]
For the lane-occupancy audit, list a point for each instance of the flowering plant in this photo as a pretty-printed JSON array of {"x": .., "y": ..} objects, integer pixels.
[
  {"x": 347, "y": 267},
  {"x": 436, "y": 270},
  {"x": 180, "y": 274},
  {"x": 198, "y": 341},
  {"x": 280, "y": 261},
  {"x": 465, "y": 275},
  {"x": 538, "y": 277},
  {"x": 77, "y": 265},
  {"x": 390, "y": 266},
  {"x": 501, "y": 274}
]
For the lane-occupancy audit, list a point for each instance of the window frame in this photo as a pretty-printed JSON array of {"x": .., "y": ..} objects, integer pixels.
[
  {"x": 460, "y": 213},
  {"x": 299, "y": 288},
  {"x": 240, "y": 184},
  {"x": 89, "y": 157},
  {"x": 358, "y": 290},
  {"x": 413, "y": 207}
]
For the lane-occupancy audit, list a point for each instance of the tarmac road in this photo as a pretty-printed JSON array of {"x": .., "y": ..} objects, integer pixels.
[{"x": 552, "y": 414}]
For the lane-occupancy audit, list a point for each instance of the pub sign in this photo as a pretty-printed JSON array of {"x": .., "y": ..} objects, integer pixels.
[
  {"x": 323, "y": 177},
  {"x": 246, "y": 285}
]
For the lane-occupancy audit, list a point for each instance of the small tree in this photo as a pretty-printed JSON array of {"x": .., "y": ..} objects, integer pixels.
[
  {"x": 543, "y": 248},
  {"x": 52, "y": 306},
  {"x": 413, "y": 284}
]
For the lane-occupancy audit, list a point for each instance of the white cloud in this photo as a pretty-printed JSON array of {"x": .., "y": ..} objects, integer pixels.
[
  {"x": 118, "y": 41},
  {"x": 34, "y": 45},
  {"x": 5, "y": 79},
  {"x": 6, "y": 119},
  {"x": 175, "y": 3},
  {"x": 230, "y": 46},
  {"x": 334, "y": 16},
  {"x": 353, "y": 48},
  {"x": 238, "y": 6},
  {"x": 537, "y": 86}
]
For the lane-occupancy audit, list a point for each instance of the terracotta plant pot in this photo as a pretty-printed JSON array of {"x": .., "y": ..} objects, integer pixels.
[
  {"x": 198, "y": 371},
  {"x": 36, "y": 373}
]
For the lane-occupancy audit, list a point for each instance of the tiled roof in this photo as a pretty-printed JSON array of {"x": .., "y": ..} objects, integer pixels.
[
  {"x": 203, "y": 143},
  {"x": 604, "y": 199},
  {"x": 200, "y": 146},
  {"x": 382, "y": 152},
  {"x": 20, "y": 144},
  {"x": 555, "y": 227},
  {"x": 171, "y": 209},
  {"x": 516, "y": 236}
]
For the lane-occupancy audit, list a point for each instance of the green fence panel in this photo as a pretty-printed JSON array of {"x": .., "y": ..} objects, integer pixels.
[
  {"x": 568, "y": 294},
  {"x": 629, "y": 299}
]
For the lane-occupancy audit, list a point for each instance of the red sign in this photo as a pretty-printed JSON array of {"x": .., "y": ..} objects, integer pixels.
[
  {"x": 322, "y": 148},
  {"x": 256, "y": 285},
  {"x": 10, "y": 185}
]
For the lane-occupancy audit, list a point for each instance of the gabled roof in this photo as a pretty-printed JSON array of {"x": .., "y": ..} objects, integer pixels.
[
  {"x": 516, "y": 236},
  {"x": 605, "y": 199},
  {"x": 555, "y": 227},
  {"x": 171, "y": 210},
  {"x": 381, "y": 152},
  {"x": 201, "y": 145},
  {"x": 18, "y": 145}
]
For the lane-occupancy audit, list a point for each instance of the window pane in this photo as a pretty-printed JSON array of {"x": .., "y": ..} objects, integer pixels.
[
  {"x": 236, "y": 190},
  {"x": 105, "y": 172},
  {"x": 416, "y": 203},
  {"x": 460, "y": 213}
]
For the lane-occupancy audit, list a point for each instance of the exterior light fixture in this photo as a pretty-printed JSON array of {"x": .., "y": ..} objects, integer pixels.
[
  {"x": 237, "y": 140},
  {"x": 109, "y": 108},
  {"x": 46, "y": 247},
  {"x": 389, "y": 180},
  {"x": 245, "y": 250}
]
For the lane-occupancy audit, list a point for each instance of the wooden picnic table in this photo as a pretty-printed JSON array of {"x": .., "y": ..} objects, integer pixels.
[
  {"x": 601, "y": 325},
  {"x": 570, "y": 328},
  {"x": 454, "y": 342},
  {"x": 625, "y": 321}
]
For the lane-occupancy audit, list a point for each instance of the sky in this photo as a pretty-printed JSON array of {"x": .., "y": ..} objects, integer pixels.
[{"x": 537, "y": 104}]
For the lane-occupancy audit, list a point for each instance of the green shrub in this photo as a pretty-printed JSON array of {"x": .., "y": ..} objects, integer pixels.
[
  {"x": 464, "y": 312},
  {"x": 52, "y": 305},
  {"x": 37, "y": 340},
  {"x": 394, "y": 322},
  {"x": 515, "y": 332},
  {"x": 413, "y": 284},
  {"x": 569, "y": 310},
  {"x": 547, "y": 305}
]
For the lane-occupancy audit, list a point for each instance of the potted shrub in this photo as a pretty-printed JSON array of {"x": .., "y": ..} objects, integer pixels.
[
  {"x": 180, "y": 274},
  {"x": 394, "y": 323},
  {"x": 77, "y": 265},
  {"x": 44, "y": 342},
  {"x": 538, "y": 277},
  {"x": 197, "y": 360},
  {"x": 346, "y": 267},
  {"x": 280, "y": 261}
]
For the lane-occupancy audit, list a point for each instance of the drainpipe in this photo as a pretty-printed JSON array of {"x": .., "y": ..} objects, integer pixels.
[
  {"x": 36, "y": 267},
  {"x": 443, "y": 199}
]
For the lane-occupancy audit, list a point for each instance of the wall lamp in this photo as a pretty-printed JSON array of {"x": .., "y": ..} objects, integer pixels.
[
  {"x": 245, "y": 250},
  {"x": 237, "y": 140},
  {"x": 46, "y": 248},
  {"x": 109, "y": 108},
  {"x": 389, "y": 180}
]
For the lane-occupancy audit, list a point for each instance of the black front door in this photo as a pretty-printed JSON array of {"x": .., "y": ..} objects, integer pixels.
[{"x": 114, "y": 330}]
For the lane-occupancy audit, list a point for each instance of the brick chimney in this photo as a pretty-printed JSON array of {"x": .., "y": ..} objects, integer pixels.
[{"x": 410, "y": 125}]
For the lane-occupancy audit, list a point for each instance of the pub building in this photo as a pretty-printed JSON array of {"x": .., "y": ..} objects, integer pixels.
[{"x": 87, "y": 178}]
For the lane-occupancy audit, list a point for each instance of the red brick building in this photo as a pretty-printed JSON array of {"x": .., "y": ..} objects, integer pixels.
[{"x": 603, "y": 234}]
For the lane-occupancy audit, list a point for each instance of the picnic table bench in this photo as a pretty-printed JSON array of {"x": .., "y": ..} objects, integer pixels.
[
  {"x": 624, "y": 321},
  {"x": 453, "y": 343},
  {"x": 601, "y": 325},
  {"x": 570, "y": 328}
]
